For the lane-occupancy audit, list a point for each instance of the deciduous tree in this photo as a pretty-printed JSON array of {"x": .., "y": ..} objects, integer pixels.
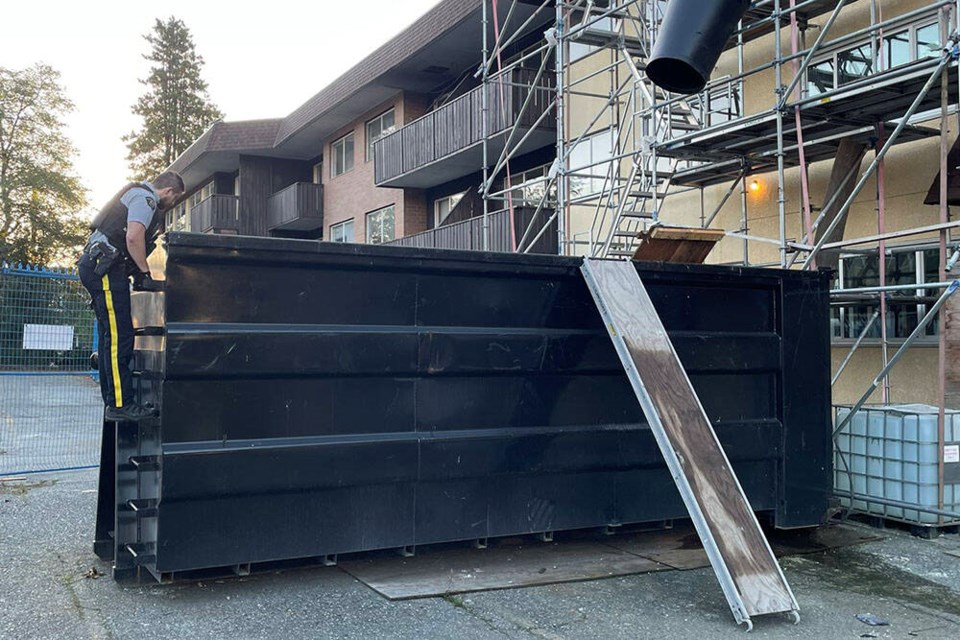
[{"x": 40, "y": 197}]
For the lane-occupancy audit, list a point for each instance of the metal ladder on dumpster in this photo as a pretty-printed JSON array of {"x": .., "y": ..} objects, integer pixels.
[{"x": 749, "y": 574}]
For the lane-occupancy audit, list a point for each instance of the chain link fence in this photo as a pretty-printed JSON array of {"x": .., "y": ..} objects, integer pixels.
[{"x": 50, "y": 407}]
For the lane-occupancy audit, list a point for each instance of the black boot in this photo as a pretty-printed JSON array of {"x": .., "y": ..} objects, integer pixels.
[{"x": 129, "y": 413}]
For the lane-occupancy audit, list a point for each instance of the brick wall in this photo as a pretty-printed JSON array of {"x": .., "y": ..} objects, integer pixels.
[
  {"x": 352, "y": 195},
  {"x": 415, "y": 212}
]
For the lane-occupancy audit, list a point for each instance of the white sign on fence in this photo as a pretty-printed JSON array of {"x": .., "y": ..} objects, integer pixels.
[{"x": 48, "y": 337}]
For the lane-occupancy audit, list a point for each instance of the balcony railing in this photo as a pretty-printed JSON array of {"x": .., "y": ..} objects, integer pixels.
[
  {"x": 216, "y": 214},
  {"x": 458, "y": 126},
  {"x": 298, "y": 207},
  {"x": 468, "y": 235}
]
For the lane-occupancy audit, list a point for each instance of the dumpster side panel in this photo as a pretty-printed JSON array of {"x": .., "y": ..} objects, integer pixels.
[{"x": 323, "y": 399}]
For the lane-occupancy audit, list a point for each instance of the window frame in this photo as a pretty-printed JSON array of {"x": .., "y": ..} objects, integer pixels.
[
  {"x": 882, "y": 66},
  {"x": 522, "y": 181},
  {"x": 594, "y": 181},
  {"x": 368, "y": 226},
  {"x": 370, "y": 140},
  {"x": 453, "y": 199},
  {"x": 342, "y": 142},
  {"x": 343, "y": 224},
  {"x": 839, "y": 334}
]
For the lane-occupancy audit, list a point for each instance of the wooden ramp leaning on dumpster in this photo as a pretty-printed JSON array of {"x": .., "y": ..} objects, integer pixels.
[{"x": 749, "y": 574}]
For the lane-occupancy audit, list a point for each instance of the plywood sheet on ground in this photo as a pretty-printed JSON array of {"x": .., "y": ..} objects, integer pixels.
[
  {"x": 438, "y": 571},
  {"x": 499, "y": 567}
]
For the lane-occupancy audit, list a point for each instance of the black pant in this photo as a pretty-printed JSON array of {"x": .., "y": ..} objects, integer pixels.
[{"x": 111, "y": 303}]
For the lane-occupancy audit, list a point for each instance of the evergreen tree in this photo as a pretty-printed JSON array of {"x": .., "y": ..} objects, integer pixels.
[
  {"x": 176, "y": 108},
  {"x": 40, "y": 197}
]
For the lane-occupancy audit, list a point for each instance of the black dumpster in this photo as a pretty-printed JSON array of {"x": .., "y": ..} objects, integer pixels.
[{"x": 320, "y": 399}]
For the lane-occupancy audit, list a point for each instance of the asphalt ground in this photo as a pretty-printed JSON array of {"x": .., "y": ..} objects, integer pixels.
[
  {"x": 48, "y": 590},
  {"x": 49, "y": 422}
]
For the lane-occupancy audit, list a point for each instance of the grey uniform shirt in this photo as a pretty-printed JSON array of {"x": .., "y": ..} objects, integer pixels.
[{"x": 141, "y": 204}]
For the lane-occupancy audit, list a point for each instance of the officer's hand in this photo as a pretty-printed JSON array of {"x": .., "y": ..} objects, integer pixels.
[{"x": 143, "y": 282}]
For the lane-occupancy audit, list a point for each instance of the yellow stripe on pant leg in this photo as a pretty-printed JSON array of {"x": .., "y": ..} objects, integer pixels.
[{"x": 114, "y": 343}]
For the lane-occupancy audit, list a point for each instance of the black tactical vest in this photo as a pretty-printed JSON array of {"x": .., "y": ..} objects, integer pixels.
[{"x": 112, "y": 222}]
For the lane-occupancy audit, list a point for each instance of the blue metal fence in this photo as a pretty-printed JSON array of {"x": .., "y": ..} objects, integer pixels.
[{"x": 50, "y": 406}]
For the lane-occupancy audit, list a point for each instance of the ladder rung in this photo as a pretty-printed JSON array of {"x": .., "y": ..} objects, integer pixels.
[
  {"x": 662, "y": 174},
  {"x": 145, "y": 463},
  {"x": 646, "y": 215},
  {"x": 144, "y": 508},
  {"x": 626, "y": 234}
]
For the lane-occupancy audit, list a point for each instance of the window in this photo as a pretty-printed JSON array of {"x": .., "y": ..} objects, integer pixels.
[
  {"x": 318, "y": 173},
  {"x": 908, "y": 265},
  {"x": 443, "y": 206},
  {"x": 820, "y": 77},
  {"x": 236, "y": 185},
  {"x": 590, "y": 163},
  {"x": 201, "y": 195},
  {"x": 856, "y": 62},
  {"x": 723, "y": 105},
  {"x": 377, "y": 128},
  {"x": 380, "y": 226},
  {"x": 527, "y": 187},
  {"x": 342, "y": 152},
  {"x": 928, "y": 42},
  {"x": 176, "y": 218},
  {"x": 342, "y": 231},
  {"x": 183, "y": 212},
  {"x": 896, "y": 50}
]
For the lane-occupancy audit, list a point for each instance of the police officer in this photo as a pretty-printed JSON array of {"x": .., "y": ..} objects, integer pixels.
[{"x": 124, "y": 233}]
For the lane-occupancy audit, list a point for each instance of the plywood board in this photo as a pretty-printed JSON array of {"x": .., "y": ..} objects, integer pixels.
[
  {"x": 500, "y": 567},
  {"x": 439, "y": 571},
  {"x": 745, "y": 565},
  {"x": 675, "y": 244}
]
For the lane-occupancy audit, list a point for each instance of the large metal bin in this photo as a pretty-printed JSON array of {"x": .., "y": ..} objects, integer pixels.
[{"x": 320, "y": 399}]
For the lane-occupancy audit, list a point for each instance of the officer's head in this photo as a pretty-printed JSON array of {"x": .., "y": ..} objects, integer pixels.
[{"x": 169, "y": 186}]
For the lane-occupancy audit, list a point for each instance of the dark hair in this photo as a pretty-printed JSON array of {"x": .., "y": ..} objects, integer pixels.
[{"x": 169, "y": 179}]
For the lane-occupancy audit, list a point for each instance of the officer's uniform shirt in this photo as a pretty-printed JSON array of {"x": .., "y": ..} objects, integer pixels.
[{"x": 141, "y": 204}]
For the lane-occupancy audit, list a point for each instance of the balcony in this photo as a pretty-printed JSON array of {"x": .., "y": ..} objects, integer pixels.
[
  {"x": 447, "y": 143},
  {"x": 216, "y": 214},
  {"x": 468, "y": 235},
  {"x": 298, "y": 207}
]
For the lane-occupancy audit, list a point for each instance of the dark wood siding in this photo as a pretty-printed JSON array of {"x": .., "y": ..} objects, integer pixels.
[
  {"x": 223, "y": 183},
  {"x": 260, "y": 178}
]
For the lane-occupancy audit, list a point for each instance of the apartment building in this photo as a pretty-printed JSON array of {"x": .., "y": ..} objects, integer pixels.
[
  {"x": 394, "y": 151},
  {"x": 391, "y": 149}
]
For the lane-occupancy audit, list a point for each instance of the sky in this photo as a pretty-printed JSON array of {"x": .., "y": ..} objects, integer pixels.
[{"x": 263, "y": 60}]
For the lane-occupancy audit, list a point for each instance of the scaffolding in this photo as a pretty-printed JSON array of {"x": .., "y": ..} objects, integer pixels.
[{"x": 627, "y": 151}]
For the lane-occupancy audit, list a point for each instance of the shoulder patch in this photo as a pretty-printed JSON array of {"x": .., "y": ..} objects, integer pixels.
[{"x": 151, "y": 202}]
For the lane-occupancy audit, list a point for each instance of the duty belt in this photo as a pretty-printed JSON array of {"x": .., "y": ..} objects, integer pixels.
[{"x": 104, "y": 255}]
